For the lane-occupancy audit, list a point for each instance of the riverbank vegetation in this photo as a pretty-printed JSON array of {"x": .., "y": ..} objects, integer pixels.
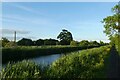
[
  {"x": 12, "y": 51},
  {"x": 90, "y": 63},
  {"x": 20, "y": 53}
]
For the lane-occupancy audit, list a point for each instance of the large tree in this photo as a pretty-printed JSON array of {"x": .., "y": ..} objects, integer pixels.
[
  {"x": 65, "y": 37},
  {"x": 112, "y": 24}
]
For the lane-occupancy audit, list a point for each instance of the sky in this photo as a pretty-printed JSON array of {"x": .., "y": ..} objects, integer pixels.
[{"x": 41, "y": 20}]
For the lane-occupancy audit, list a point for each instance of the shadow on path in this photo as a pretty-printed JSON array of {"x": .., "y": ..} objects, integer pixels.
[{"x": 114, "y": 64}]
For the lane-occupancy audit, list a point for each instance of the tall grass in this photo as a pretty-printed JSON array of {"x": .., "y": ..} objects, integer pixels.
[
  {"x": 24, "y": 69},
  {"x": 89, "y": 63}
]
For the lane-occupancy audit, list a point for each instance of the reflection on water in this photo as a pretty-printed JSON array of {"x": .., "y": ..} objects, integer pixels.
[{"x": 46, "y": 59}]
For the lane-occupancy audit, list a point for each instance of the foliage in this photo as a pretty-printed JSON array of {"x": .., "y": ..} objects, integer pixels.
[
  {"x": 39, "y": 42},
  {"x": 84, "y": 64},
  {"x": 4, "y": 41},
  {"x": 84, "y": 43},
  {"x": 111, "y": 23},
  {"x": 50, "y": 42},
  {"x": 102, "y": 43},
  {"x": 10, "y": 44},
  {"x": 25, "y": 42},
  {"x": 112, "y": 26},
  {"x": 74, "y": 43},
  {"x": 94, "y": 43},
  {"x": 65, "y": 37},
  {"x": 24, "y": 69},
  {"x": 115, "y": 40}
]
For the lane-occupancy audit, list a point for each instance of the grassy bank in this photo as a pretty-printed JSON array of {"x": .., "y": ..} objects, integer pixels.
[
  {"x": 20, "y": 53},
  {"x": 89, "y": 63}
]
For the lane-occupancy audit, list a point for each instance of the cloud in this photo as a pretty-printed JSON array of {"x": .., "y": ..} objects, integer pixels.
[
  {"x": 31, "y": 20},
  {"x": 11, "y": 31},
  {"x": 26, "y": 8}
]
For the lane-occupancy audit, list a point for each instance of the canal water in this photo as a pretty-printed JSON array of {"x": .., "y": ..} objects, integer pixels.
[{"x": 44, "y": 60}]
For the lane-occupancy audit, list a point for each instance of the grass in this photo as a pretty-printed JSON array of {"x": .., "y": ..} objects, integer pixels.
[
  {"x": 24, "y": 69},
  {"x": 90, "y": 63}
]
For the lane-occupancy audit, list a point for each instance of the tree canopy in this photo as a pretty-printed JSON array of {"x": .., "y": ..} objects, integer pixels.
[
  {"x": 111, "y": 23},
  {"x": 65, "y": 37},
  {"x": 25, "y": 42},
  {"x": 4, "y": 41},
  {"x": 112, "y": 26}
]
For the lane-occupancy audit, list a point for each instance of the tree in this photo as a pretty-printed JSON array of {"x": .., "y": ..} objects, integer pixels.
[
  {"x": 39, "y": 42},
  {"x": 25, "y": 42},
  {"x": 94, "y": 43},
  {"x": 4, "y": 41},
  {"x": 74, "y": 43},
  {"x": 112, "y": 24},
  {"x": 50, "y": 42},
  {"x": 65, "y": 37},
  {"x": 102, "y": 43},
  {"x": 84, "y": 43}
]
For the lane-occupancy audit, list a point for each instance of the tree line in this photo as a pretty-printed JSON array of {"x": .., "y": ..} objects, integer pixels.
[{"x": 41, "y": 42}]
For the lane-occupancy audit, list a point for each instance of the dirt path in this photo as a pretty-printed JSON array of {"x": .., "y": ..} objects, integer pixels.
[{"x": 114, "y": 64}]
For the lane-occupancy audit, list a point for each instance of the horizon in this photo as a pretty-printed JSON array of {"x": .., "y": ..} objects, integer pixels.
[{"x": 44, "y": 20}]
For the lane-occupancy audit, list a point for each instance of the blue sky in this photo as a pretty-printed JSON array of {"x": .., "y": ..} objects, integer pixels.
[{"x": 46, "y": 20}]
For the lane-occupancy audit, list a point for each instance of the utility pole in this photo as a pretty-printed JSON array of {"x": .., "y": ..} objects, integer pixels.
[{"x": 15, "y": 37}]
